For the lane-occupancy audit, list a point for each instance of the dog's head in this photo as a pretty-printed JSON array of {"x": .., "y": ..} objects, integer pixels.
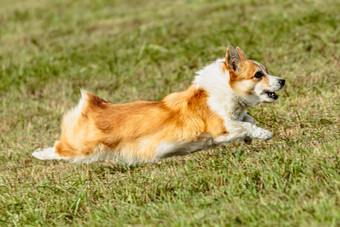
[{"x": 250, "y": 79}]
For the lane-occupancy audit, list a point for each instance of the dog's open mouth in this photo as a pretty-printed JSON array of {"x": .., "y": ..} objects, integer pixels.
[{"x": 271, "y": 94}]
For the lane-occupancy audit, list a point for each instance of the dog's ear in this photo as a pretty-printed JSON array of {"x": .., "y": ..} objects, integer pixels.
[
  {"x": 233, "y": 59},
  {"x": 241, "y": 54}
]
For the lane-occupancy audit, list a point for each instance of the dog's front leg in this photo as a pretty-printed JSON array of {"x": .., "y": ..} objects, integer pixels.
[
  {"x": 238, "y": 130},
  {"x": 255, "y": 132},
  {"x": 250, "y": 119}
]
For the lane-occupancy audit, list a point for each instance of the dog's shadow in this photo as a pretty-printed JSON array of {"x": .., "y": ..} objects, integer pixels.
[{"x": 114, "y": 167}]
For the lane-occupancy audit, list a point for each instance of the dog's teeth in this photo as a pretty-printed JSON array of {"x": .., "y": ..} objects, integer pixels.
[{"x": 271, "y": 95}]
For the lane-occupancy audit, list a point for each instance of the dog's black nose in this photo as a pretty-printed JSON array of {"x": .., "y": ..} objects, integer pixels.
[{"x": 282, "y": 82}]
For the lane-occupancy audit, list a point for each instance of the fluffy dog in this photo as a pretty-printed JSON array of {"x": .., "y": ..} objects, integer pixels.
[{"x": 208, "y": 113}]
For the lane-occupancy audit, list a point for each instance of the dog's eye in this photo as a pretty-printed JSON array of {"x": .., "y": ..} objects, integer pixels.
[{"x": 258, "y": 75}]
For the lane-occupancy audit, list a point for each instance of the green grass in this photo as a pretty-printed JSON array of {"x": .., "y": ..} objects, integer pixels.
[{"x": 129, "y": 50}]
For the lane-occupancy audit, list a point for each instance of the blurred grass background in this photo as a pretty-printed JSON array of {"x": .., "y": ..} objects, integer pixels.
[{"x": 129, "y": 50}]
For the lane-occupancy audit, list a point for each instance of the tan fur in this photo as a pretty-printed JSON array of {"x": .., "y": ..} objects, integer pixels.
[
  {"x": 139, "y": 126},
  {"x": 181, "y": 123},
  {"x": 248, "y": 69}
]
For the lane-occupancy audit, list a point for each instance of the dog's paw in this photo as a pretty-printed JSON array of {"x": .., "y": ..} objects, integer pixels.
[
  {"x": 266, "y": 135},
  {"x": 46, "y": 154},
  {"x": 262, "y": 134},
  {"x": 248, "y": 140}
]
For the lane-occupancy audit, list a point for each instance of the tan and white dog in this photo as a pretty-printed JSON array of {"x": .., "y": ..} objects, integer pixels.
[{"x": 208, "y": 113}]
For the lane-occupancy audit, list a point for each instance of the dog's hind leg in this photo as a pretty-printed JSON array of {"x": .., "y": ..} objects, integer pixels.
[{"x": 47, "y": 154}]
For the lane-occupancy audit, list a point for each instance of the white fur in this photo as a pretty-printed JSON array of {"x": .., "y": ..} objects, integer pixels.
[
  {"x": 181, "y": 148},
  {"x": 71, "y": 118},
  {"x": 46, "y": 154},
  {"x": 222, "y": 99},
  {"x": 274, "y": 85},
  {"x": 229, "y": 105}
]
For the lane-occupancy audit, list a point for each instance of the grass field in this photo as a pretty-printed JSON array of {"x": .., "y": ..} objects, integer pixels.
[{"x": 129, "y": 50}]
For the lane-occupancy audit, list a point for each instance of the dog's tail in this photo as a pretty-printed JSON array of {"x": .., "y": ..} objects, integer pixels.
[
  {"x": 76, "y": 129},
  {"x": 80, "y": 113}
]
